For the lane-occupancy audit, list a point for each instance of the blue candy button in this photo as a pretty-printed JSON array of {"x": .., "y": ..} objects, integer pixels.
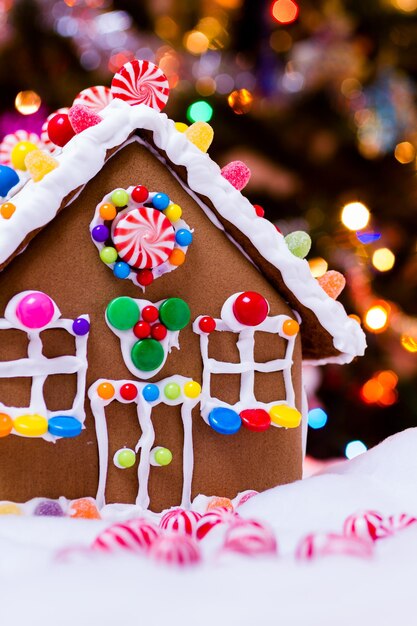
[
  {"x": 183, "y": 237},
  {"x": 64, "y": 426},
  {"x": 224, "y": 421},
  {"x": 8, "y": 179},
  {"x": 121, "y": 270},
  {"x": 150, "y": 393},
  {"x": 160, "y": 201}
]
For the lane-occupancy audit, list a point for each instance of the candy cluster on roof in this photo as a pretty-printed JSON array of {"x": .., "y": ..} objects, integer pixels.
[{"x": 74, "y": 147}]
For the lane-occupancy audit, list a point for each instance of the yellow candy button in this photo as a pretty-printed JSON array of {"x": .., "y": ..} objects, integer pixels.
[
  {"x": 192, "y": 389},
  {"x": 284, "y": 415},
  {"x": 173, "y": 212},
  {"x": 9, "y": 508},
  {"x": 31, "y": 425}
]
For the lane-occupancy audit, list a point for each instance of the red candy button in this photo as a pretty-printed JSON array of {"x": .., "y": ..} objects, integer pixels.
[
  {"x": 159, "y": 332},
  {"x": 260, "y": 212},
  {"x": 257, "y": 420},
  {"x": 128, "y": 391},
  {"x": 250, "y": 308},
  {"x": 144, "y": 277},
  {"x": 207, "y": 324},
  {"x": 150, "y": 314},
  {"x": 142, "y": 330},
  {"x": 60, "y": 130},
  {"x": 140, "y": 194}
]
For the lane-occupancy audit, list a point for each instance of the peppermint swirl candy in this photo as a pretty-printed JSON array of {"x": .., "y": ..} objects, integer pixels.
[
  {"x": 9, "y": 142},
  {"x": 144, "y": 238},
  {"x": 95, "y": 98},
  {"x": 135, "y": 535},
  {"x": 141, "y": 82},
  {"x": 44, "y": 134},
  {"x": 180, "y": 521}
]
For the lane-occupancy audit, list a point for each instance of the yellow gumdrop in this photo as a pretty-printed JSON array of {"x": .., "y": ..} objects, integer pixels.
[
  {"x": 284, "y": 415},
  {"x": 40, "y": 163},
  {"x": 173, "y": 212},
  {"x": 192, "y": 389},
  {"x": 10, "y": 508},
  {"x": 181, "y": 127},
  {"x": 31, "y": 425},
  {"x": 19, "y": 153},
  {"x": 200, "y": 134}
]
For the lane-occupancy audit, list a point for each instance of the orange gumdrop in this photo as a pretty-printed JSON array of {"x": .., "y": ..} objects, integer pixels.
[
  {"x": 215, "y": 503},
  {"x": 84, "y": 508},
  {"x": 332, "y": 283}
]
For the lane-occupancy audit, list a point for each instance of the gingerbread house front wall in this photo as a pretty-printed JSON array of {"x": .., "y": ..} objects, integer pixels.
[{"x": 63, "y": 262}]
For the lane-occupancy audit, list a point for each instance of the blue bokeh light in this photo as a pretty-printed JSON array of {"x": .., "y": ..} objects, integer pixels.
[{"x": 317, "y": 418}]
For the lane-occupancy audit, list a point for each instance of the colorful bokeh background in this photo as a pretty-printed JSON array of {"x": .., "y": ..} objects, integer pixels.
[{"x": 318, "y": 98}]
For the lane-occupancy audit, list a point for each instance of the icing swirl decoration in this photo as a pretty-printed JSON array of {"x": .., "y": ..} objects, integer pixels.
[
  {"x": 141, "y": 82},
  {"x": 144, "y": 238},
  {"x": 95, "y": 98}
]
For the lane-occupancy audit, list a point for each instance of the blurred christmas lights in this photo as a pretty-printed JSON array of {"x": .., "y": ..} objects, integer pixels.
[
  {"x": 376, "y": 317},
  {"x": 380, "y": 389},
  {"x": 240, "y": 101},
  {"x": 409, "y": 343},
  {"x": 317, "y": 418},
  {"x": 284, "y": 11},
  {"x": 355, "y": 448},
  {"x": 318, "y": 267},
  {"x": 27, "y": 102},
  {"x": 355, "y": 215},
  {"x": 405, "y": 152},
  {"x": 200, "y": 111},
  {"x": 383, "y": 259}
]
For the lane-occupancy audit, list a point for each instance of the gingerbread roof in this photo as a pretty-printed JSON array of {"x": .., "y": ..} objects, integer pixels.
[{"x": 328, "y": 334}]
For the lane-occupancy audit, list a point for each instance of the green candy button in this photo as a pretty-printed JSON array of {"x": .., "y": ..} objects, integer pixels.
[
  {"x": 174, "y": 313},
  {"x": 147, "y": 355},
  {"x": 123, "y": 313}
]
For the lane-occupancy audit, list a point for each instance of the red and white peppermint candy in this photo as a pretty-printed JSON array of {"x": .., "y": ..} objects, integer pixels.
[
  {"x": 175, "y": 549},
  {"x": 136, "y": 535},
  {"x": 213, "y": 518},
  {"x": 366, "y": 525},
  {"x": 250, "y": 537},
  {"x": 328, "y": 544},
  {"x": 95, "y": 98},
  {"x": 44, "y": 134},
  {"x": 400, "y": 521},
  {"x": 144, "y": 238},
  {"x": 9, "y": 142},
  {"x": 180, "y": 521},
  {"x": 245, "y": 496},
  {"x": 141, "y": 82}
]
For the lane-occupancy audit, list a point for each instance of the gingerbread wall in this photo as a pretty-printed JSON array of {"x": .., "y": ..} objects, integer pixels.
[{"x": 63, "y": 262}]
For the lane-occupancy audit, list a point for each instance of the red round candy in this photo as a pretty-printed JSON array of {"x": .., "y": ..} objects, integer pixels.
[
  {"x": 207, "y": 324},
  {"x": 140, "y": 194},
  {"x": 260, "y": 211},
  {"x": 159, "y": 332},
  {"x": 255, "y": 419},
  {"x": 128, "y": 391},
  {"x": 250, "y": 308},
  {"x": 142, "y": 330},
  {"x": 150, "y": 314},
  {"x": 60, "y": 130},
  {"x": 144, "y": 277}
]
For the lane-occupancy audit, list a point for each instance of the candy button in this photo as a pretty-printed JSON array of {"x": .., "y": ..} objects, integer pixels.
[
  {"x": 172, "y": 391},
  {"x": 177, "y": 257},
  {"x": 147, "y": 355},
  {"x": 124, "y": 458},
  {"x": 7, "y": 209},
  {"x": 128, "y": 391},
  {"x": 144, "y": 277},
  {"x": 120, "y": 197},
  {"x": 150, "y": 313},
  {"x": 80, "y": 326},
  {"x": 8, "y": 179},
  {"x": 181, "y": 127},
  {"x": 105, "y": 391},
  {"x": 35, "y": 310},
  {"x": 162, "y": 456},
  {"x": 159, "y": 332},
  {"x": 121, "y": 270},
  {"x": 19, "y": 153},
  {"x": 284, "y": 415},
  {"x": 6, "y": 424},
  {"x": 290, "y": 328},
  {"x": 31, "y": 425},
  {"x": 140, "y": 194},
  {"x": 107, "y": 211},
  {"x": 108, "y": 254},
  {"x": 250, "y": 308},
  {"x": 183, "y": 237},
  {"x": 160, "y": 201},
  {"x": 123, "y": 313},
  {"x": 142, "y": 330},
  {"x": 256, "y": 420},
  {"x": 60, "y": 130},
  {"x": 150, "y": 393},
  {"x": 174, "y": 313},
  {"x": 207, "y": 324},
  {"x": 224, "y": 421},
  {"x": 192, "y": 389},
  {"x": 10, "y": 508},
  {"x": 49, "y": 508},
  {"x": 100, "y": 233},
  {"x": 64, "y": 426},
  {"x": 173, "y": 212}
]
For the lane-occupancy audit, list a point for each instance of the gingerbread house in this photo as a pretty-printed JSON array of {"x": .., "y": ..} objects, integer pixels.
[{"x": 153, "y": 331}]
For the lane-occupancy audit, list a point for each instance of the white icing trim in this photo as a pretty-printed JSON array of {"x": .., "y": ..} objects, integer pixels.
[{"x": 84, "y": 156}]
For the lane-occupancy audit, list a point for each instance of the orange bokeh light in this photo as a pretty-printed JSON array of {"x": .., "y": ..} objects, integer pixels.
[{"x": 284, "y": 11}]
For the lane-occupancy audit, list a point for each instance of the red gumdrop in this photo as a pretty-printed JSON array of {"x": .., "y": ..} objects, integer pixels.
[
  {"x": 82, "y": 117},
  {"x": 144, "y": 277},
  {"x": 139, "y": 194},
  {"x": 142, "y": 330},
  {"x": 150, "y": 314},
  {"x": 256, "y": 420},
  {"x": 207, "y": 324},
  {"x": 237, "y": 173},
  {"x": 250, "y": 308},
  {"x": 260, "y": 211},
  {"x": 128, "y": 391},
  {"x": 159, "y": 332},
  {"x": 60, "y": 130}
]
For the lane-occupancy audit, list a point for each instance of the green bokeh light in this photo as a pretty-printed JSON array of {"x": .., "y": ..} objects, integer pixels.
[{"x": 200, "y": 111}]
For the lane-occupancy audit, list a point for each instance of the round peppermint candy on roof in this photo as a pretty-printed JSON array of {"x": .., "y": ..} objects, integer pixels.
[
  {"x": 141, "y": 82},
  {"x": 134, "y": 535},
  {"x": 180, "y": 521},
  {"x": 95, "y": 98}
]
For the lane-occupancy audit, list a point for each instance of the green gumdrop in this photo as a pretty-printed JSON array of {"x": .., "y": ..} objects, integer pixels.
[
  {"x": 163, "y": 456},
  {"x": 120, "y": 197},
  {"x": 147, "y": 355},
  {"x": 299, "y": 243},
  {"x": 123, "y": 313},
  {"x": 174, "y": 313}
]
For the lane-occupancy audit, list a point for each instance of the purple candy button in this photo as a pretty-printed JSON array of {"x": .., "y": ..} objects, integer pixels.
[
  {"x": 100, "y": 233},
  {"x": 80, "y": 326}
]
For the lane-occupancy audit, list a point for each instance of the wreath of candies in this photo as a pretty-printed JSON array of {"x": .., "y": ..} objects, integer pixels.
[{"x": 140, "y": 234}]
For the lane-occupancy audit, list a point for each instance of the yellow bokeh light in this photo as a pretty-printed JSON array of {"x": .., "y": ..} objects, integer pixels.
[
  {"x": 405, "y": 152},
  {"x": 405, "y": 5},
  {"x": 376, "y": 318},
  {"x": 206, "y": 86},
  {"x": 240, "y": 101},
  {"x": 27, "y": 102},
  {"x": 355, "y": 215},
  {"x": 196, "y": 42},
  {"x": 165, "y": 27},
  {"x": 383, "y": 259},
  {"x": 409, "y": 343},
  {"x": 318, "y": 267}
]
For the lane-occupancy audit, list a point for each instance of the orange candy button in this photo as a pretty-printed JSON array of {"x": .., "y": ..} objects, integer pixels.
[
  {"x": 6, "y": 425},
  {"x": 105, "y": 391},
  {"x": 215, "y": 503},
  {"x": 177, "y": 257},
  {"x": 84, "y": 508},
  {"x": 290, "y": 328},
  {"x": 7, "y": 209},
  {"x": 108, "y": 211}
]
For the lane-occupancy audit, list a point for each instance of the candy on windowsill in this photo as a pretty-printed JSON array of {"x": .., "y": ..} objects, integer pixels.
[
  {"x": 237, "y": 173},
  {"x": 81, "y": 118},
  {"x": 200, "y": 134},
  {"x": 39, "y": 163},
  {"x": 299, "y": 243},
  {"x": 332, "y": 283}
]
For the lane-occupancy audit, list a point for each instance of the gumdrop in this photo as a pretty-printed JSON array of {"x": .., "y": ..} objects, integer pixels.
[
  {"x": 10, "y": 508},
  {"x": 39, "y": 163},
  {"x": 84, "y": 508},
  {"x": 49, "y": 508},
  {"x": 299, "y": 243},
  {"x": 200, "y": 134},
  {"x": 237, "y": 173},
  {"x": 332, "y": 283},
  {"x": 82, "y": 117},
  {"x": 215, "y": 503}
]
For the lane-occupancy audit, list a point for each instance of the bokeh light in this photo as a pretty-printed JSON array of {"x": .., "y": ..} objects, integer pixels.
[
  {"x": 405, "y": 5},
  {"x": 284, "y": 11},
  {"x": 196, "y": 42},
  {"x": 409, "y": 343},
  {"x": 355, "y": 215},
  {"x": 318, "y": 267},
  {"x": 376, "y": 318},
  {"x": 383, "y": 259},
  {"x": 355, "y": 448},
  {"x": 405, "y": 152},
  {"x": 200, "y": 111},
  {"x": 27, "y": 102},
  {"x": 240, "y": 101},
  {"x": 372, "y": 391},
  {"x": 317, "y": 418}
]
